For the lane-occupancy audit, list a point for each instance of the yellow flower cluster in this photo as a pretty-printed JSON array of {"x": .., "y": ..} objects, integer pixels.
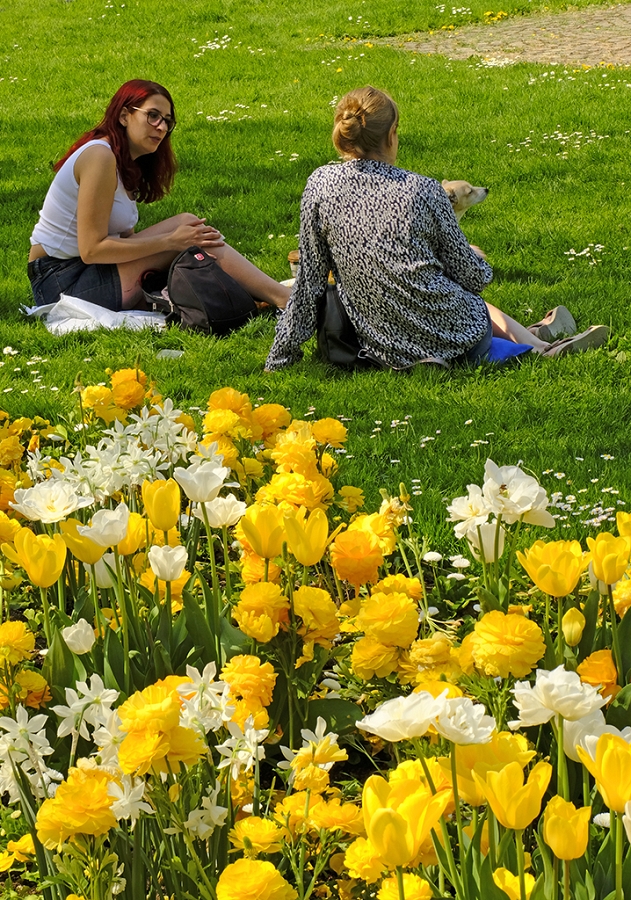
[
  {"x": 252, "y": 879},
  {"x": 128, "y": 391},
  {"x": 81, "y": 805},
  {"x": 251, "y": 686},
  {"x": 502, "y": 645}
]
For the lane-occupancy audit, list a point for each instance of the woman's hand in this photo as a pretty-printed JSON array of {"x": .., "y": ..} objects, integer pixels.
[{"x": 196, "y": 234}]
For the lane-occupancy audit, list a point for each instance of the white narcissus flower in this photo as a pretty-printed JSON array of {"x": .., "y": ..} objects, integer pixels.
[
  {"x": 201, "y": 482},
  {"x": 513, "y": 495},
  {"x": 79, "y": 637},
  {"x": 103, "y": 569},
  {"x": 108, "y": 527},
  {"x": 486, "y": 540},
  {"x": 49, "y": 502},
  {"x": 555, "y": 693},
  {"x": 469, "y": 511},
  {"x": 403, "y": 718},
  {"x": 203, "y": 821},
  {"x": 128, "y": 794},
  {"x": 464, "y": 722},
  {"x": 167, "y": 563},
  {"x": 243, "y": 748},
  {"x": 222, "y": 511}
]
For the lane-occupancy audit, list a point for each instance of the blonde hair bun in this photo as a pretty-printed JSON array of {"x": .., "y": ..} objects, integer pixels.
[{"x": 363, "y": 120}]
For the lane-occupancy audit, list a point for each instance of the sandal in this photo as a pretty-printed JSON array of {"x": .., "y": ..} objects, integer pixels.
[
  {"x": 594, "y": 336},
  {"x": 556, "y": 322}
]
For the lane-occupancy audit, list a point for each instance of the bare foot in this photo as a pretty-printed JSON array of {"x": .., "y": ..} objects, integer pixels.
[{"x": 281, "y": 297}]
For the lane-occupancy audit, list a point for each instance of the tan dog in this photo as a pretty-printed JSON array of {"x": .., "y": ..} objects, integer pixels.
[{"x": 462, "y": 195}]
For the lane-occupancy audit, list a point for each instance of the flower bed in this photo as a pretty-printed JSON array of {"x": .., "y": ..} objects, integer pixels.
[{"x": 221, "y": 679}]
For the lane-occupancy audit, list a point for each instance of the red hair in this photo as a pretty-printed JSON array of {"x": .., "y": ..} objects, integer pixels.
[{"x": 149, "y": 177}]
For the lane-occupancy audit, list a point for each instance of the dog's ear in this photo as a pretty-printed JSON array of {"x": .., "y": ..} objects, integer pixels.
[{"x": 451, "y": 194}]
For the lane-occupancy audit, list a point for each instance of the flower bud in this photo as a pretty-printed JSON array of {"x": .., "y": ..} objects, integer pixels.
[{"x": 573, "y": 624}]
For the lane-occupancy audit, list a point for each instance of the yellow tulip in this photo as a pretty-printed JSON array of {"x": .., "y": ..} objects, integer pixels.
[
  {"x": 41, "y": 556},
  {"x": 566, "y": 828},
  {"x": 611, "y": 769},
  {"x": 573, "y": 624},
  {"x": 136, "y": 536},
  {"x": 623, "y": 521},
  {"x": 307, "y": 538},
  {"x": 162, "y": 501},
  {"x": 264, "y": 529},
  {"x": 555, "y": 567},
  {"x": 514, "y": 803},
  {"x": 509, "y": 883},
  {"x": 504, "y": 747},
  {"x": 399, "y": 817},
  {"x": 83, "y": 548},
  {"x": 610, "y": 556}
]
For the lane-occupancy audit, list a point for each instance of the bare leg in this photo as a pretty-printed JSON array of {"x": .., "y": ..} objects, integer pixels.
[
  {"x": 510, "y": 330},
  {"x": 131, "y": 272},
  {"x": 257, "y": 283}
]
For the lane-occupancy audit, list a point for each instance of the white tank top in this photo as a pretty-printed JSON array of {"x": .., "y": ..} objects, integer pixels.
[{"x": 56, "y": 230}]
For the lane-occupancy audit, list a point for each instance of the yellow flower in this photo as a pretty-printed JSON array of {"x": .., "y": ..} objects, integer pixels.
[
  {"x": 429, "y": 658},
  {"x": 312, "y": 778},
  {"x": 336, "y": 815},
  {"x": 599, "y": 670},
  {"x": 352, "y": 498},
  {"x": 415, "y": 888},
  {"x": 318, "y": 613},
  {"x": 610, "y": 556},
  {"x": 622, "y": 595},
  {"x": 555, "y": 566},
  {"x": 370, "y": 658},
  {"x": 255, "y": 835},
  {"x": 81, "y": 805},
  {"x": 139, "y": 751},
  {"x": 23, "y": 848},
  {"x": 128, "y": 394},
  {"x": 380, "y": 526},
  {"x": 509, "y": 883},
  {"x": 252, "y": 879},
  {"x": 506, "y": 645},
  {"x": 162, "y": 500},
  {"x": 6, "y": 861},
  {"x": 623, "y": 521},
  {"x": 329, "y": 431},
  {"x": 156, "y": 709},
  {"x": 307, "y": 538},
  {"x": 400, "y": 584},
  {"x": 566, "y": 828},
  {"x": 228, "y": 423},
  {"x": 514, "y": 803},
  {"x": 16, "y": 643},
  {"x": 250, "y": 708},
  {"x": 573, "y": 625},
  {"x": 503, "y": 748},
  {"x": 228, "y": 398},
  {"x": 611, "y": 768},
  {"x": 149, "y": 580},
  {"x": 264, "y": 529},
  {"x": 271, "y": 418},
  {"x": 11, "y": 450},
  {"x": 123, "y": 375},
  {"x": 29, "y": 688},
  {"x": 8, "y": 482},
  {"x": 293, "y": 811},
  {"x": 297, "y": 489},
  {"x": 8, "y": 528},
  {"x": 41, "y": 556},
  {"x": 437, "y": 687},
  {"x": 293, "y": 454},
  {"x": 392, "y": 619},
  {"x": 253, "y": 569},
  {"x": 249, "y": 678},
  {"x": 83, "y": 548},
  {"x": 261, "y": 610},
  {"x": 363, "y": 861},
  {"x": 225, "y": 448},
  {"x": 356, "y": 557},
  {"x": 136, "y": 536}
]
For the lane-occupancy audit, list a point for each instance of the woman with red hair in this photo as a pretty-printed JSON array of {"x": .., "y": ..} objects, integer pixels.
[{"x": 84, "y": 243}]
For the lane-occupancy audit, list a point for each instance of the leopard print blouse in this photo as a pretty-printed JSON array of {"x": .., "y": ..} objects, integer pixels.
[{"x": 405, "y": 273}]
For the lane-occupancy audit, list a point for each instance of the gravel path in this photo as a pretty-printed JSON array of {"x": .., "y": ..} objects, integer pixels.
[{"x": 592, "y": 36}]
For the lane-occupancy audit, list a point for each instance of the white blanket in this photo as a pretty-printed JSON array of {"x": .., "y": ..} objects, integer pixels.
[{"x": 71, "y": 314}]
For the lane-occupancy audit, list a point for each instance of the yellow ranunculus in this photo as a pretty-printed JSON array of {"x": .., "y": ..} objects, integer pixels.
[
  {"x": 622, "y": 595},
  {"x": 554, "y": 566},
  {"x": 249, "y": 678},
  {"x": 573, "y": 625},
  {"x": 229, "y": 398},
  {"x": 356, "y": 557},
  {"x": 294, "y": 810},
  {"x": 514, "y": 803},
  {"x": 318, "y": 612},
  {"x": 162, "y": 500},
  {"x": 270, "y": 418},
  {"x": 599, "y": 670},
  {"x": 8, "y": 528},
  {"x": 253, "y": 568},
  {"x": 329, "y": 431},
  {"x": 504, "y": 645},
  {"x": 17, "y": 642},
  {"x": 120, "y": 376},
  {"x": 252, "y": 708},
  {"x": 41, "y": 556},
  {"x": 509, "y": 883},
  {"x": 399, "y": 584},
  {"x": 81, "y": 805},
  {"x": 380, "y": 526},
  {"x": 264, "y": 529},
  {"x": 261, "y": 610},
  {"x": 139, "y": 751},
  {"x": 352, "y": 498},
  {"x": 370, "y": 658},
  {"x": 336, "y": 815},
  {"x": 391, "y": 619},
  {"x": 83, "y": 548},
  {"x": 362, "y": 861},
  {"x": 307, "y": 537},
  {"x": 610, "y": 556},
  {"x": 566, "y": 828},
  {"x": 155, "y": 709},
  {"x": 128, "y": 394},
  {"x": 430, "y": 658},
  {"x": 30, "y": 688},
  {"x": 255, "y": 835},
  {"x": 310, "y": 491},
  {"x": 253, "y": 879},
  {"x": 414, "y": 887},
  {"x": 611, "y": 768}
]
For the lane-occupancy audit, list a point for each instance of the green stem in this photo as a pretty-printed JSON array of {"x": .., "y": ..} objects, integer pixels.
[
  {"x": 215, "y": 618},
  {"x": 44, "y": 595},
  {"x": 619, "y": 853},
  {"x": 566, "y": 879},
  {"x": 521, "y": 863},
  {"x": 490, "y": 818},
  {"x": 563, "y": 786},
  {"x": 120, "y": 597},
  {"x": 226, "y": 562},
  {"x": 400, "y": 884},
  {"x": 454, "y": 780},
  {"x": 617, "y": 655},
  {"x": 560, "y": 640}
]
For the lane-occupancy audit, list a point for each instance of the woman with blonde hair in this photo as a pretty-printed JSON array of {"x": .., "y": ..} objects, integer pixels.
[{"x": 406, "y": 275}]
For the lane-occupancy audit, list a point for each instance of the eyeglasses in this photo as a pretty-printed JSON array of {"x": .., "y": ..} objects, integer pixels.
[{"x": 156, "y": 118}]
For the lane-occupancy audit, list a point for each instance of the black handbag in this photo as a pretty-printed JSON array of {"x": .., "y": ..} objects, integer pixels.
[
  {"x": 337, "y": 339},
  {"x": 199, "y": 295}
]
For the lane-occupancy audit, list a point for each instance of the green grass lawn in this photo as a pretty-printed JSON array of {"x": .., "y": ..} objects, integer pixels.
[{"x": 254, "y": 119}]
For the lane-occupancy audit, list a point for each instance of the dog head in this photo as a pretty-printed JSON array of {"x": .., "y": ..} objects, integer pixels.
[{"x": 462, "y": 195}]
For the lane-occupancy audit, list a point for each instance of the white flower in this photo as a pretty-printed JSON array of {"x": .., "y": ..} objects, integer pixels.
[
  {"x": 206, "y": 704},
  {"x": 464, "y": 722},
  {"x": 79, "y": 637},
  {"x": 108, "y": 737},
  {"x": 469, "y": 511},
  {"x": 555, "y": 693},
  {"x": 103, "y": 570},
  {"x": 243, "y": 748},
  {"x": 128, "y": 803},
  {"x": 108, "y": 527},
  {"x": 167, "y": 563},
  {"x": 24, "y": 734},
  {"x": 604, "y": 820},
  {"x": 403, "y": 718},
  {"x": 487, "y": 540},
  {"x": 432, "y": 557},
  {"x": 460, "y": 562},
  {"x": 202, "y": 822},
  {"x": 585, "y": 733},
  {"x": 202, "y": 482},
  {"x": 222, "y": 511},
  {"x": 87, "y": 705},
  {"x": 513, "y": 495},
  {"x": 313, "y": 740},
  {"x": 48, "y": 502}
]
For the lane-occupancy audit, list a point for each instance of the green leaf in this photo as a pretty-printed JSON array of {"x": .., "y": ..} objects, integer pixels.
[
  {"x": 590, "y": 611},
  {"x": 624, "y": 636},
  {"x": 233, "y": 641},
  {"x": 58, "y": 668},
  {"x": 197, "y": 627},
  {"x": 339, "y": 715},
  {"x": 619, "y": 713},
  {"x": 114, "y": 661},
  {"x": 488, "y": 889}
]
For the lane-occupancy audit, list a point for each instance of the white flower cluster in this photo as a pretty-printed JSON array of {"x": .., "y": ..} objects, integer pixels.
[{"x": 458, "y": 720}]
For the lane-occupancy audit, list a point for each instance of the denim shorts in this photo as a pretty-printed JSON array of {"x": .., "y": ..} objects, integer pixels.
[
  {"x": 97, "y": 283},
  {"x": 478, "y": 352}
]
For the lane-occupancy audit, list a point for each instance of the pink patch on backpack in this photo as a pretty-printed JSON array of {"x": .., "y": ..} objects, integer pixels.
[{"x": 199, "y": 256}]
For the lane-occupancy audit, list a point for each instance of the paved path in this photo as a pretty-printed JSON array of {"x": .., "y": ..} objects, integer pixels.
[{"x": 592, "y": 36}]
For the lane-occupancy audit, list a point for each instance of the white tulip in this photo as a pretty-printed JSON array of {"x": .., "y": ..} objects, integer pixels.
[
  {"x": 487, "y": 537},
  {"x": 108, "y": 526},
  {"x": 201, "y": 482},
  {"x": 222, "y": 511},
  {"x": 403, "y": 718},
  {"x": 102, "y": 573},
  {"x": 469, "y": 511},
  {"x": 79, "y": 638},
  {"x": 555, "y": 693},
  {"x": 626, "y": 819},
  {"x": 513, "y": 495},
  {"x": 49, "y": 501},
  {"x": 167, "y": 563},
  {"x": 464, "y": 722}
]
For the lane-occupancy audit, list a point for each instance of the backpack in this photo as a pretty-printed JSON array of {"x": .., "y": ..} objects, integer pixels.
[
  {"x": 337, "y": 339},
  {"x": 200, "y": 295}
]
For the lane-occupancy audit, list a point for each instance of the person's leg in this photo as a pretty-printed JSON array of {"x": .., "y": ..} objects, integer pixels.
[
  {"x": 510, "y": 330},
  {"x": 257, "y": 283}
]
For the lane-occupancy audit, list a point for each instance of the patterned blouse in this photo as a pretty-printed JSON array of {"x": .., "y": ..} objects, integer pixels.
[{"x": 405, "y": 273}]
